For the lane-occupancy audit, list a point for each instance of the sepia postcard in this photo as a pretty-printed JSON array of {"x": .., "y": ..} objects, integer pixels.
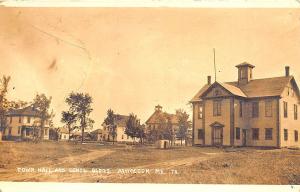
[{"x": 149, "y": 95}]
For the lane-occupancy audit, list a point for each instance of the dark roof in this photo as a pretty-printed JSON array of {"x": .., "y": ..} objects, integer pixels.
[
  {"x": 97, "y": 131},
  {"x": 264, "y": 87},
  {"x": 158, "y": 115},
  {"x": 121, "y": 120},
  {"x": 200, "y": 92},
  {"x": 27, "y": 111},
  {"x": 267, "y": 87},
  {"x": 245, "y": 64}
]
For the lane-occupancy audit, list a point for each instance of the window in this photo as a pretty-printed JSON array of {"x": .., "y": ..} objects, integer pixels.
[
  {"x": 241, "y": 109},
  {"x": 255, "y": 133},
  {"x": 19, "y": 130},
  {"x": 9, "y": 131},
  {"x": 20, "y": 119},
  {"x": 217, "y": 92},
  {"x": 295, "y": 112},
  {"x": 293, "y": 93},
  {"x": 65, "y": 136},
  {"x": 285, "y": 134},
  {"x": 243, "y": 74},
  {"x": 255, "y": 109},
  {"x": 122, "y": 136},
  {"x": 217, "y": 108},
  {"x": 10, "y": 120},
  {"x": 28, "y": 119},
  {"x": 268, "y": 134},
  {"x": 237, "y": 133},
  {"x": 200, "y": 111},
  {"x": 27, "y": 132},
  {"x": 268, "y": 108},
  {"x": 296, "y": 135},
  {"x": 45, "y": 131},
  {"x": 200, "y": 134},
  {"x": 285, "y": 109}
]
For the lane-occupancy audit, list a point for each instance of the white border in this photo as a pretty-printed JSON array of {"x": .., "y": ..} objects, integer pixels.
[
  {"x": 74, "y": 187},
  {"x": 155, "y": 3},
  {"x": 93, "y": 187}
]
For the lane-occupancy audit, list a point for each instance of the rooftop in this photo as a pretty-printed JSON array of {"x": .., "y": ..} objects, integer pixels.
[
  {"x": 245, "y": 64},
  {"x": 157, "y": 116},
  {"x": 26, "y": 111},
  {"x": 255, "y": 88}
]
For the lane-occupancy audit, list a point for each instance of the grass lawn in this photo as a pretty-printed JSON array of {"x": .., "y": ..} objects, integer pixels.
[{"x": 193, "y": 164}]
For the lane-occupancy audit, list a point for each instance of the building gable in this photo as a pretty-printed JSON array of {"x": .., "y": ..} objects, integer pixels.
[
  {"x": 159, "y": 116},
  {"x": 291, "y": 89},
  {"x": 216, "y": 90}
]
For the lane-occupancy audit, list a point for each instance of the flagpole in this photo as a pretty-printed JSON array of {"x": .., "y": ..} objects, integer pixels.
[{"x": 215, "y": 65}]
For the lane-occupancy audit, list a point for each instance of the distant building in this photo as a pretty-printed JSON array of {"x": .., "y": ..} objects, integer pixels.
[
  {"x": 159, "y": 117},
  {"x": 120, "y": 121},
  {"x": 64, "y": 133},
  {"x": 23, "y": 123},
  {"x": 97, "y": 135},
  {"x": 247, "y": 112},
  {"x": 76, "y": 134}
]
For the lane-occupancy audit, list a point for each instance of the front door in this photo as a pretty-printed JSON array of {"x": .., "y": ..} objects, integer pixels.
[
  {"x": 23, "y": 130},
  {"x": 165, "y": 144},
  {"x": 244, "y": 137},
  {"x": 218, "y": 136}
]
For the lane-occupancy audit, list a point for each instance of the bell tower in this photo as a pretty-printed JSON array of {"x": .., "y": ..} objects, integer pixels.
[
  {"x": 158, "y": 108},
  {"x": 245, "y": 74}
]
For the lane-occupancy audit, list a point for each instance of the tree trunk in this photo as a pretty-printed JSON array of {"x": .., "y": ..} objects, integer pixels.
[
  {"x": 42, "y": 128},
  {"x": 82, "y": 128},
  {"x": 141, "y": 140},
  {"x": 82, "y": 134},
  {"x": 69, "y": 131}
]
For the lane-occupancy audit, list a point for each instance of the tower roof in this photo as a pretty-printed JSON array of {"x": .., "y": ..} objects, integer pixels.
[{"x": 245, "y": 64}]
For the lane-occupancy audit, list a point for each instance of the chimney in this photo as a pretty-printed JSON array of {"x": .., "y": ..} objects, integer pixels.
[
  {"x": 208, "y": 80},
  {"x": 287, "y": 71}
]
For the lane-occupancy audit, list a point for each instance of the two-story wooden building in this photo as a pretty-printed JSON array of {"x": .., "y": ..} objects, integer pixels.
[
  {"x": 22, "y": 123},
  {"x": 121, "y": 136},
  {"x": 159, "y": 119},
  {"x": 247, "y": 112}
]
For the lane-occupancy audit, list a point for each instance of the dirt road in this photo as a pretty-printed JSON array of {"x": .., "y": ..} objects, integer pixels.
[
  {"x": 74, "y": 161},
  {"x": 131, "y": 177},
  {"x": 69, "y": 161}
]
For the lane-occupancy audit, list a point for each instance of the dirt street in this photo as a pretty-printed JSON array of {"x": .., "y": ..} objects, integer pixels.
[{"x": 68, "y": 162}]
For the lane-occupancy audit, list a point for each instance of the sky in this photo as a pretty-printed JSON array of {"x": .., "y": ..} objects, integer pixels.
[{"x": 131, "y": 59}]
